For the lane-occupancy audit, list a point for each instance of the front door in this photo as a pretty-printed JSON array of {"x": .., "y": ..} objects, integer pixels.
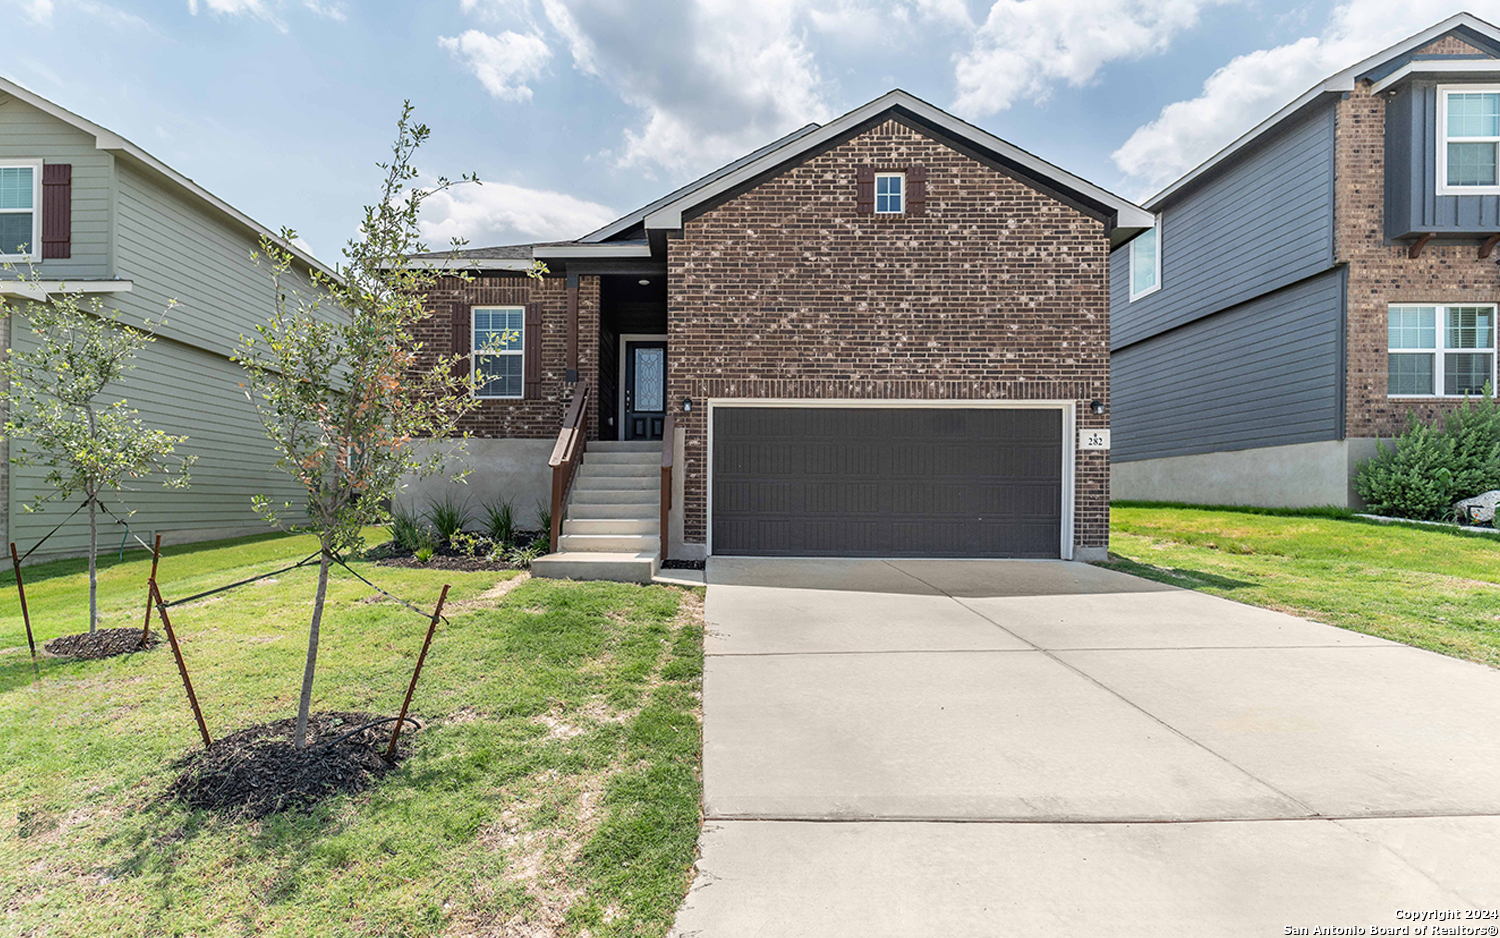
[{"x": 645, "y": 390}]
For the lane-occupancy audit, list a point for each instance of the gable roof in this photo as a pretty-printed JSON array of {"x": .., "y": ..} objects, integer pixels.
[
  {"x": 1382, "y": 66},
  {"x": 635, "y": 235},
  {"x": 113, "y": 143}
]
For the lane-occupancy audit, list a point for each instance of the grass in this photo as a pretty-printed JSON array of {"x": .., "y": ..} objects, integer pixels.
[
  {"x": 1428, "y": 587},
  {"x": 555, "y": 785}
]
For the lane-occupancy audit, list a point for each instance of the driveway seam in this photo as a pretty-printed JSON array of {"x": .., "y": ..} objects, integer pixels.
[
  {"x": 1110, "y": 690},
  {"x": 921, "y": 819},
  {"x": 1032, "y": 650}
]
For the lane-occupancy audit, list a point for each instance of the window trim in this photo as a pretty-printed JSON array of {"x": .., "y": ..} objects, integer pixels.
[
  {"x": 1440, "y": 350},
  {"x": 1443, "y": 188},
  {"x": 36, "y": 211},
  {"x": 1156, "y": 285},
  {"x": 899, "y": 174},
  {"x": 475, "y": 354}
]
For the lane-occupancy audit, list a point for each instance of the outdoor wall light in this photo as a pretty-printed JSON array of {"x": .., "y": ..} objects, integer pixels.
[
  {"x": 1097, "y": 406},
  {"x": 687, "y": 405},
  {"x": 644, "y": 283}
]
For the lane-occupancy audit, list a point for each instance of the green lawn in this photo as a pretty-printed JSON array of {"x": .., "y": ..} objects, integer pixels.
[
  {"x": 1429, "y": 587},
  {"x": 556, "y": 784}
]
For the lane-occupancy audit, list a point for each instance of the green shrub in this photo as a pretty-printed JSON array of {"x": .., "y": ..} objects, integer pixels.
[
  {"x": 409, "y": 531},
  {"x": 1475, "y": 431},
  {"x": 521, "y": 557},
  {"x": 449, "y": 516},
  {"x": 544, "y": 518},
  {"x": 1414, "y": 478},
  {"x": 500, "y": 522}
]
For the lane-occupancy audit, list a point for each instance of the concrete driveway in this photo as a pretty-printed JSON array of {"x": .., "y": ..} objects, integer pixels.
[{"x": 968, "y": 748}]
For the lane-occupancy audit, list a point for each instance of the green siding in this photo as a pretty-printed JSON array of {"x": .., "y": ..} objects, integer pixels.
[
  {"x": 171, "y": 247},
  {"x": 28, "y": 134}
]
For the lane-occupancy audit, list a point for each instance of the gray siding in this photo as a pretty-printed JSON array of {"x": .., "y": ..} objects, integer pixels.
[
  {"x": 1412, "y": 203},
  {"x": 1263, "y": 222},
  {"x": 27, "y": 134},
  {"x": 1266, "y": 373}
]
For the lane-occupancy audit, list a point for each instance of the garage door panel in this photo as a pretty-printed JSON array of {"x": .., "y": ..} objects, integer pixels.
[{"x": 887, "y": 481}]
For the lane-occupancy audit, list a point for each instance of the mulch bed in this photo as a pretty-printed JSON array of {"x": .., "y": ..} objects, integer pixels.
[
  {"x": 257, "y": 772},
  {"x": 105, "y": 643},
  {"x": 447, "y": 562}
]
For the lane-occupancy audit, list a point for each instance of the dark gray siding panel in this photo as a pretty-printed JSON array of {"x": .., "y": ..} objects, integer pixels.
[
  {"x": 1412, "y": 203},
  {"x": 1266, "y": 373},
  {"x": 1264, "y": 222}
]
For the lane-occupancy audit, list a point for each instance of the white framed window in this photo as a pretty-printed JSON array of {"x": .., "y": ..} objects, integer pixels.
[
  {"x": 20, "y": 210},
  {"x": 1468, "y": 150},
  {"x": 499, "y": 353},
  {"x": 1440, "y": 351},
  {"x": 890, "y": 193},
  {"x": 1145, "y": 262}
]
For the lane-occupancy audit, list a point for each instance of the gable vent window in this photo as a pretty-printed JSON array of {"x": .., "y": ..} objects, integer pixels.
[
  {"x": 890, "y": 193},
  {"x": 1469, "y": 154},
  {"x": 20, "y": 220}
]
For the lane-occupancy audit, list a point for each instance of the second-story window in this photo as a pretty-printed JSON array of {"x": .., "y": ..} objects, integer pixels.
[
  {"x": 890, "y": 193},
  {"x": 1145, "y": 262},
  {"x": 1469, "y": 152},
  {"x": 20, "y": 222}
]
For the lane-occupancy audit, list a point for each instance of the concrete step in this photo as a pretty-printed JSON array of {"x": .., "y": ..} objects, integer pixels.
[
  {"x": 610, "y": 543},
  {"x": 620, "y": 567},
  {"x": 603, "y": 470},
  {"x": 635, "y": 496},
  {"x": 587, "y": 483},
  {"x": 633, "y": 511},
  {"x": 630, "y": 458},
  {"x": 628, "y": 446},
  {"x": 591, "y": 525}
]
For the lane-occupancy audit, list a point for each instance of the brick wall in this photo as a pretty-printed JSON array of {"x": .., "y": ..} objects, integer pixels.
[
  {"x": 998, "y": 292},
  {"x": 541, "y": 416},
  {"x": 1381, "y": 273}
]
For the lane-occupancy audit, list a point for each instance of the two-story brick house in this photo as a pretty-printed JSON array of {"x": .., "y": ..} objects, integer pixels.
[
  {"x": 1303, "y": 292},
  {"x": 877, "y": 337}
]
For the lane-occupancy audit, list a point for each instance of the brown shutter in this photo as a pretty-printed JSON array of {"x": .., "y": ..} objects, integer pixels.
[
  {"x": 916, "y": 189},
  {"x": 57, "y": 210},
  {"x": 463, "y": 340},
  {"x": 533, "y": 350},
  {"x": 864, "y": 191}
]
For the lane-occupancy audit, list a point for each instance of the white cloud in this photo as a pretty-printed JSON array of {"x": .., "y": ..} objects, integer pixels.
[
  {"x": 725, "y": 78},
  {"x": 38, "y": 11},
  {"x": 255, "y": 8},
  {"x": 1025, "y": 47},
  {"x": 500, "y": 213},
  {"x": 503, "y": 63},
  {"x": 1253, "y": 86}
]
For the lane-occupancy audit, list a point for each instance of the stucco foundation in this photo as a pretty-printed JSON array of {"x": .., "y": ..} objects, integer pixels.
[
  {"x": 1302, "y": 475},
  {"x": 516, "y": 470}
]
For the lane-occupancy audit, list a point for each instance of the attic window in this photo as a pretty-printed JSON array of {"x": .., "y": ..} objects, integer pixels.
[
  {"x": 1469, "y": 153},
  {"x": 890, "y": 193}
]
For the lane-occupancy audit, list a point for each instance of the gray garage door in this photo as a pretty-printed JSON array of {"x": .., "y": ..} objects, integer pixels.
[{"x": 887, "y": 482}]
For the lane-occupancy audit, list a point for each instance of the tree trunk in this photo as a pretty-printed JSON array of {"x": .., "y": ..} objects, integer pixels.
[
  {"x": 93, "y": 568},
  {"x": 312, "y": 652}
]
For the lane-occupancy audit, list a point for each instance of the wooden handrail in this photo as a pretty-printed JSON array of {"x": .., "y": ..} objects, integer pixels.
[
  {"x": 572, "y": 440},
  {"x": 668, "y": 438}
]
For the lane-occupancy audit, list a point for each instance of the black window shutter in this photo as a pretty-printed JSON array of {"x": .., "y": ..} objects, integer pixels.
[
  {"x": 916, "y": 189},
  {"x": 533, "y": 350},
  {"x": 463, "y": 340},
  {"x": 57, "y": 210},
  {"x": 864, "y": 190}
]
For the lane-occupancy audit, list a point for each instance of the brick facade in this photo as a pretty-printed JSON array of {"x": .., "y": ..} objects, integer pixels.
[
  {"x": 538, "y": 417},
  {"x": 997, "y": 292},
  {"x": 1381, "y": 274}
]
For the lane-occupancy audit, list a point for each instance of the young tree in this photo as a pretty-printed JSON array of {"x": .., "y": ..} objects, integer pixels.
[
  {"x": 337, "y": 377},
  {"x": 54, "y": 390}
]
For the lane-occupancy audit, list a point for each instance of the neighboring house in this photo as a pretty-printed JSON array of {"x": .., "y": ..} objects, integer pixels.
[
  {"x": 97, "y": 215},
  {"x": 1316, "y": 283},
  {"x": 877, "y": 337}
]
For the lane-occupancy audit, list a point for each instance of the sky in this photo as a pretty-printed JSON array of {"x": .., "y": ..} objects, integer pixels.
[{"x": 574, "y": 112}]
